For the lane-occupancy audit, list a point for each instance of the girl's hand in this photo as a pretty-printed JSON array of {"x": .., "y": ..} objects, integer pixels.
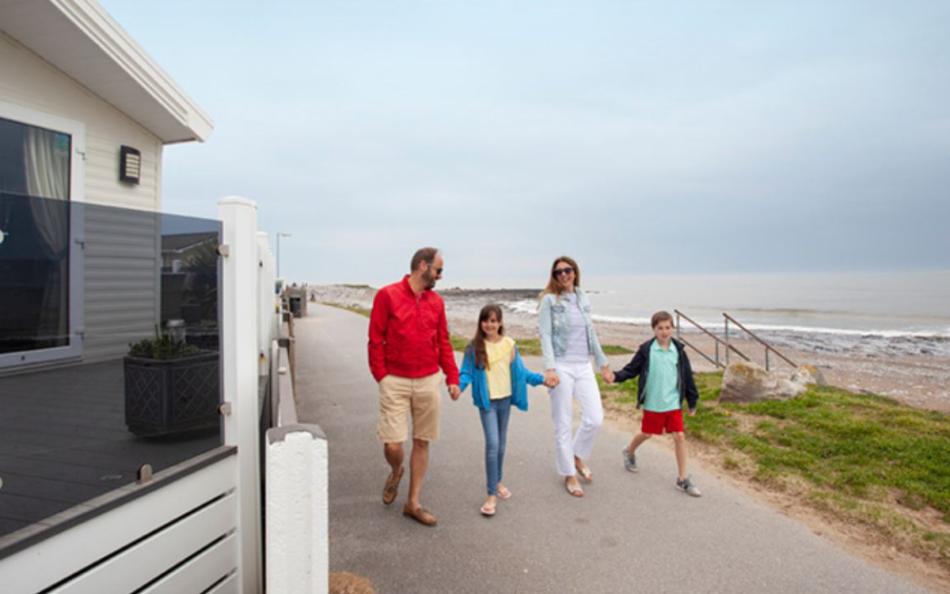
[{"x": 550, "y": 378}]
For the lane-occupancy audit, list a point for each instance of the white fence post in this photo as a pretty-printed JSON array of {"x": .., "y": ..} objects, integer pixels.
[
  {"x": 297, "y": 510},
  {"x": 267, "y": 301},
  {"x": 239, "y": 356}
]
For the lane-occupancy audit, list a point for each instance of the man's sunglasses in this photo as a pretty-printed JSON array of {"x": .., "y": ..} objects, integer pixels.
[{"x": 560, "y": 271}]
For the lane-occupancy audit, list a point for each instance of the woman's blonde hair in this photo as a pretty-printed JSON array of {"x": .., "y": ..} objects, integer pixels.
[{"x": 553, "y": 286}]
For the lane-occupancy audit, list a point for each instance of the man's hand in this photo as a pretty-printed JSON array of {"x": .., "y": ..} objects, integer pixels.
[
  {"x": 550, "y": 378},
  {"x": 454, "y": 391},
  {"x": 607, "y": 374}
]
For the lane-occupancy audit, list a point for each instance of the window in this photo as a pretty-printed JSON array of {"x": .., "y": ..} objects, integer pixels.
[{"x": 40, "y": 296}]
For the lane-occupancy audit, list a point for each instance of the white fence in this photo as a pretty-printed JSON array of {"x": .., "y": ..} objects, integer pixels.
[
  {"x": 194, "y": 527},
  {"x": 297, "y": 493}
]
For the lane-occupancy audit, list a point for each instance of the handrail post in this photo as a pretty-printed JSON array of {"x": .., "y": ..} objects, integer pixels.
[
  {"x": 766, "y": 358},
  {"x": 239, "y": 358},
  {"x": 726, "y": 334}
]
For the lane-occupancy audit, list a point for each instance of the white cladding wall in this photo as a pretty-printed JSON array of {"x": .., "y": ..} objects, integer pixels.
[{"x": 122, "y": 280}]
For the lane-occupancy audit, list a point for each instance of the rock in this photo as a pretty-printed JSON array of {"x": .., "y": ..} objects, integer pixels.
[
  {"x": 809, "y": 374},
  {"x": 744, "y": 381}
]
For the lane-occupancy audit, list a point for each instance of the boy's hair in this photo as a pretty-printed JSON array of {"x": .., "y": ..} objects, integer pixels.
[{"x": 660, "y": 316}]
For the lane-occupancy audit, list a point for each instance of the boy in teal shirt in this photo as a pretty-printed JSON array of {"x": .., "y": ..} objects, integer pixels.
[{"x": 665, "y": 381}]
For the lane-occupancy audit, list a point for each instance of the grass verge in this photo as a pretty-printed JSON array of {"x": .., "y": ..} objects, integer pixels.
[
  {"x": 353, "y": 308},
  {"x": 532, "y": 346},
  {"x": 856, "y": 458}
]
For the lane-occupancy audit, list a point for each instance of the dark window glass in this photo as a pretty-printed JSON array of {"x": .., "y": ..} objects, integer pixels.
[{"x": 34, "y": 237}]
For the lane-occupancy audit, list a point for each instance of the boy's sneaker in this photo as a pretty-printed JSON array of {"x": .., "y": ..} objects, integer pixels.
[
  {"x": 687, "y": 486},
  {"x": 629, "y": 461}
]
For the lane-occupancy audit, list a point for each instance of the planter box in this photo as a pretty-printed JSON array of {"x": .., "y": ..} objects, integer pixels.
[{"x": 171, "y": 396}]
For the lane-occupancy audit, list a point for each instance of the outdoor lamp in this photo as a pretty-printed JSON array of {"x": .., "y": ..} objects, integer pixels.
[{"x": 130, "y": 164}]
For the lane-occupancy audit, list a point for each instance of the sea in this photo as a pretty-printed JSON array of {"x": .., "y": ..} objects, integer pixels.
[{"x": 871, "y": 313}]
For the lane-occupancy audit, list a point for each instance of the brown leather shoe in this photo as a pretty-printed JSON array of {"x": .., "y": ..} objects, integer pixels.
[
  {"x": 420, "y": 514},
  {"x": 392, "y": 486}
]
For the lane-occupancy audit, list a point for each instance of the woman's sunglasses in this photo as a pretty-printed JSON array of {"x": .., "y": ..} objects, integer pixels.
[{"x": 560, "y": 271}]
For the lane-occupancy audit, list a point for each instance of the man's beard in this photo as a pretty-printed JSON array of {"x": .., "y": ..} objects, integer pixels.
[{"x": 429, "y": 279}]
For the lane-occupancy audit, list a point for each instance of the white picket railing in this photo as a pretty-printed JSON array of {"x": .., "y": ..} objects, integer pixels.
[
  {"x": 194, "y": 527},
  {"x": 296, "y": 494}
]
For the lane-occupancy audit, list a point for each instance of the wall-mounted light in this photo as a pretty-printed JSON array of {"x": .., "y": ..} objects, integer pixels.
[{"x": 130, "y": 164}]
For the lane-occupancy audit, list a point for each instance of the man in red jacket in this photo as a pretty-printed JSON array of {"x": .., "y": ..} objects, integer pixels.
[{"x": 408, "y": 343}]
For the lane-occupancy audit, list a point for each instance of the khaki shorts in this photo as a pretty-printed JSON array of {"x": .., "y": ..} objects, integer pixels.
[{"x": 400, "y": 396}]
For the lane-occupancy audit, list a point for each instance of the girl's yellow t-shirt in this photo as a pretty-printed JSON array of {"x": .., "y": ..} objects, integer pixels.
[{"x": 499, "y": 367}]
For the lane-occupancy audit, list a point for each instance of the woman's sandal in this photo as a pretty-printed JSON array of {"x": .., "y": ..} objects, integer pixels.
[
  {"x": 502, "y": 492},
  {"x": 488, "y": 509},
  {"x": 574, "y": 489},
  {"x": 584, "y": 472}
]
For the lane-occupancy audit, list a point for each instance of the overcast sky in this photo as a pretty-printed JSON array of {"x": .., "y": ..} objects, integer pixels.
[{"x": 638, "y": 137}]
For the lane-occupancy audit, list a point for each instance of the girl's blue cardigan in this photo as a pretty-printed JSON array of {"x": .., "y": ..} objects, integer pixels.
[{"x": 520, "y": 376}]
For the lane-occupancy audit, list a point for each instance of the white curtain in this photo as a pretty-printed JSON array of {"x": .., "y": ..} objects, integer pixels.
[{"x": 46, "y": 162}]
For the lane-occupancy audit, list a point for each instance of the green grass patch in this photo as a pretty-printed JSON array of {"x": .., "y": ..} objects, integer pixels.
[
  {"x": 458, "y": 342},
  {"x": 860, "y": 457},
  {"x": 532, "y": 347}
]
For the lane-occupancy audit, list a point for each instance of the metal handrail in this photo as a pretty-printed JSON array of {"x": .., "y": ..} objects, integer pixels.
[
  {"x": 715, "y": 338},
  {"x": 767, "y": 346}
]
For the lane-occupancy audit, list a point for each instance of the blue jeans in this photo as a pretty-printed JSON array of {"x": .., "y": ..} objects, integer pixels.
[{"x": 495, "y": 426}]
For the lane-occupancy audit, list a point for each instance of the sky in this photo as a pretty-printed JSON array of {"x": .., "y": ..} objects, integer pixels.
[{"x": 637, "y": 137}]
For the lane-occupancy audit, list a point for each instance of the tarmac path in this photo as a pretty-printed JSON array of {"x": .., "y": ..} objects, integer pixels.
[{"x": 629, "y": 533}]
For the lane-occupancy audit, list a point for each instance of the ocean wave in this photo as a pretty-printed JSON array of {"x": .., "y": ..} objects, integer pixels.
[
  {"x": 717, "y": 325},
  {"x": 530, "y": 306}
]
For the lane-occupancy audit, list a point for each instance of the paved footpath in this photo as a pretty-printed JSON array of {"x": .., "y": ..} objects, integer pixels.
[{"x": 630, "y": 533}]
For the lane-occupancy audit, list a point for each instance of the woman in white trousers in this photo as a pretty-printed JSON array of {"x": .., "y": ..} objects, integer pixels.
[{"x": 568, "y": 340}]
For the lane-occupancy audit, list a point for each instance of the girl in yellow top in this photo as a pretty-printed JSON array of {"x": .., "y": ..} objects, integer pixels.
[{"x": 498, "y": 378}]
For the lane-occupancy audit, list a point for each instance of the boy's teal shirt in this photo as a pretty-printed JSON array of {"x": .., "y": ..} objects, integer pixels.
[
  {"x": 662, "y": 390},
  {"x": 520, "y": 377}
]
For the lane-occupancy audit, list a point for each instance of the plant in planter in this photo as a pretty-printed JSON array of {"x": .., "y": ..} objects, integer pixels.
[{"x": 170, "y": 387}]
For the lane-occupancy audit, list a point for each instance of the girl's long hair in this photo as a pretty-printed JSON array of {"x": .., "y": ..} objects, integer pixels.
[
  {"x": 553, "y": 286},
  {"x": 478, "y": 343}
]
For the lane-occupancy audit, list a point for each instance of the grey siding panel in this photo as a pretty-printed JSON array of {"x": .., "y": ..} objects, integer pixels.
[{"x": 122, "y": 280}]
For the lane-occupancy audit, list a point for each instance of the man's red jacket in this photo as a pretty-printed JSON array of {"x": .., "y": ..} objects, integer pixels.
[{"x": 409, "y": 335}]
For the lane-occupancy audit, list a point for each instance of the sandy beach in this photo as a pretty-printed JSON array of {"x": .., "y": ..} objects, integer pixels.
[{"x": 920, "y": 380}]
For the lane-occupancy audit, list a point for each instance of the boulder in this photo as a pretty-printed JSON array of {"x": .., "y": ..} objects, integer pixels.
[
  {"x": 809, "y": 374},
  {"x": 744, "y": 381}
]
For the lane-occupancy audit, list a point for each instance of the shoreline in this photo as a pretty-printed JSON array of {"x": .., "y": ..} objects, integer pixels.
[{"x": 921, "y": 381}]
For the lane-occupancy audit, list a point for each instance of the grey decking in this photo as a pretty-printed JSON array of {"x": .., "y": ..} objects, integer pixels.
[{"x": 63, "y": 441}]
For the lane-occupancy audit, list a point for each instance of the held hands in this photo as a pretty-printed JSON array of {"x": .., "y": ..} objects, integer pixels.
[
  {"x": 454, "y": 391},
  {"x": 607, "y": 374},
  {"x": 551, "y": 379},
  {"x": 692, "y": 412}
]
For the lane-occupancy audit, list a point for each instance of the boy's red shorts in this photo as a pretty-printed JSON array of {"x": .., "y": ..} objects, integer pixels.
[{"x": 656, "y": 422}]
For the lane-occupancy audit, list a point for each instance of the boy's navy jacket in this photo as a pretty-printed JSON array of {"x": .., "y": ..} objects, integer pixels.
[
  {"x": 640, "y": 366},
  {"x": 520, "y": 375}
]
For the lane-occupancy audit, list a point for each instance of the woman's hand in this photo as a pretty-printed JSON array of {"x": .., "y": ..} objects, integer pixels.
[
  {"x": 550, "y": 378},
  {"x": 607, "y": 374}
]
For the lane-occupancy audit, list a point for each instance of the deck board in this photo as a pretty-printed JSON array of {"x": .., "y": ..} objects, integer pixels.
[{"x": 63, "y": 441}]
